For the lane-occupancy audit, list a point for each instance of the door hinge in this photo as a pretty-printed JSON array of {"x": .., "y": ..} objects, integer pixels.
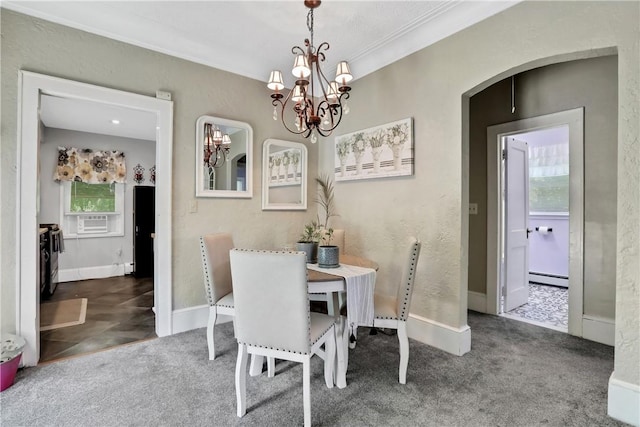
[{"x": 504, "y": 154}]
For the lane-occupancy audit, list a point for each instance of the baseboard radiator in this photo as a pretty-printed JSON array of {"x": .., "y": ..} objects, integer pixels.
[{"x": 548, "y": 279}]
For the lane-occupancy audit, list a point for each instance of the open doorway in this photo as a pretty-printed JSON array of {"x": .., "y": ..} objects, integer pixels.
[
  {"x": 93, "y": 302},
  {"x": 32, "y": 86},
  {"x": 497, "y": 270},
  {"x": 535, "y": 177}
]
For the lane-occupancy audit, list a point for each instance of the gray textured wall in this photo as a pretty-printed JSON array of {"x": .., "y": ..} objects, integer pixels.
[{"x": 592, "y": 84}]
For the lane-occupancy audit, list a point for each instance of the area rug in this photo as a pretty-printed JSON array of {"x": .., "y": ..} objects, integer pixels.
[{"x": 60, "y": 314}]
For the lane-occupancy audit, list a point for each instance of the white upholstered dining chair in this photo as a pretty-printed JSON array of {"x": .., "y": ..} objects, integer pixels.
[
  {"x": 273, "y": 318},
  {"x": 392, "y": 311},
  {"x": 217, "y": 280}
]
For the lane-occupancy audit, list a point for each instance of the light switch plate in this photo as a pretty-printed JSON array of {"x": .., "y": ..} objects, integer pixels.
[{"x": 161, "y": 94}]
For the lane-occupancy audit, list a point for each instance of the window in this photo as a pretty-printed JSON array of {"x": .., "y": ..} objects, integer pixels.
[
  {"x": 549, "y": 178},
  {"x": 79, "y": 204},
  {"x": 549, "y": 194},
  {"x": 92, "y": 197}
]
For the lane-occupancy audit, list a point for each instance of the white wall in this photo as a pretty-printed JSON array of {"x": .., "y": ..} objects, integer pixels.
[{"x": 81, "y": 252}]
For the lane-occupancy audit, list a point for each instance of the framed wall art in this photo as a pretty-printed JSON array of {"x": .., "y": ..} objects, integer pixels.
[{"x": 378, "y": 152}]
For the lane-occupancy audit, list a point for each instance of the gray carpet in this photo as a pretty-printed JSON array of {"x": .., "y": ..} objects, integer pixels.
[{"x": 516, "y": 374}]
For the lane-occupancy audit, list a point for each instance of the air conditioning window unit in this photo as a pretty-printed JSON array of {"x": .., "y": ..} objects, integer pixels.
[{"x": 90, "y": 224}]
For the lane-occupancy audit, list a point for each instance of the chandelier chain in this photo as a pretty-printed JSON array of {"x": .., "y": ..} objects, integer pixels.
[{"x": 310, "y": 25}]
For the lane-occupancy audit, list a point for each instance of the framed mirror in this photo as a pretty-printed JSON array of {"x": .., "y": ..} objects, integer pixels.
[
  {"x": 284, "y": 175},
  {"x": 224, "y": 158}
]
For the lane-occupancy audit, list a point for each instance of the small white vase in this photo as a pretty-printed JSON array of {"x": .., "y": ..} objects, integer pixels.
[
  {"x": 358, "y": 163},
  {"x": 375, "y": 152},
  {"x": 397, "y": 159},
  {"x": 343, "y": 166}
]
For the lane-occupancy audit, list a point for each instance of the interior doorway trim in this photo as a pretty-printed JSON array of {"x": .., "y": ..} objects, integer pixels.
[
  {"x": 31, "y": 86},
  {"x": 575, "y": 120}
]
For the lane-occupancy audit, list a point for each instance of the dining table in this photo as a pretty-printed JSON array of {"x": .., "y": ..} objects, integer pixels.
[{"x": 323, "y": 282}]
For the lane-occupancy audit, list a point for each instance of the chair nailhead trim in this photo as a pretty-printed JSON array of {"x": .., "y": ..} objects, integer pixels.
[
  {"x": 412, "y": 269},
  {"x": 205, "y": 267}
]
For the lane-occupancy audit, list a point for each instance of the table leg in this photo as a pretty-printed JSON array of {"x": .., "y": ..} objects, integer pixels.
[
  {"x": 331, "y": 305},
  {"x": 342, "y": 351},
  {"x": 255, "y": 368}
]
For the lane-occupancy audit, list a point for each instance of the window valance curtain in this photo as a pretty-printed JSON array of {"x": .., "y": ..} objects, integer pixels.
[
  {"x": 549, "y": 160},
  {"x": 92, "y": 167}
]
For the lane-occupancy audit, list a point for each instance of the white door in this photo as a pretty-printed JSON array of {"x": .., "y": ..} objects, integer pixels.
[{"x": 516, "y": 237}]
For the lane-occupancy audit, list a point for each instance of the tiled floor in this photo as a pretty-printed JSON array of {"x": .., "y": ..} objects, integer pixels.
[
  {"x": 548, "y": 306},
  {"x": 118, "y": 312}
]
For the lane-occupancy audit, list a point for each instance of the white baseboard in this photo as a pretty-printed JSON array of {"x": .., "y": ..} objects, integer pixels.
[
  {"x": 549, "y": 280},
  {"x": 452, "y": 340},
  {"x": 624, "y": 401},
  {"x": 86, "y": 273},
  {"x": 477, "y": 301},
  {"x": 196, "y": 317},
  {"x": 599, "y": 330}
]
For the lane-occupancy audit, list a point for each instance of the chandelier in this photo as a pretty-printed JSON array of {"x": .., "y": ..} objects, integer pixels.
[
  {"x": 216, "y": 146},
  {"x": 311, "y": 115}
]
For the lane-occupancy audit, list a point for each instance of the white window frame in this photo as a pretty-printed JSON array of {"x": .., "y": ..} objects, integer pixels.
[{"x": 69, "y": 220}]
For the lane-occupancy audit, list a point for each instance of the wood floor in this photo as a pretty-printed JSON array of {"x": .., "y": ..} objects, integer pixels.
[{"x": 118, "y": 312}]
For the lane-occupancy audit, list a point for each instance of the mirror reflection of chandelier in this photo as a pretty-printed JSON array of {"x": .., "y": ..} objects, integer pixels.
[
  {"x": 311, "y": 115},
  {"x": 216, "y": 145}
]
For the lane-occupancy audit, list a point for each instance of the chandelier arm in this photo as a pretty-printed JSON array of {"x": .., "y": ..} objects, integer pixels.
[
  {"x": 308, "y": 132},
  {"x": 324, "y": 46},
  {"x": 334, "y": 112},
  {"x": 344, "y": 95},
  {"x": 275, "y": 103},
  {"x": 215, "y": 163},
  {"x": 297, "y": 50},
  {"x": 223, "y": 157},
  {"x": 324, "y": 81}
]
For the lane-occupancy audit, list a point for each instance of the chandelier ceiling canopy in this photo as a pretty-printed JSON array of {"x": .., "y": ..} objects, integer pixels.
[{"x": 315, "y": 105}]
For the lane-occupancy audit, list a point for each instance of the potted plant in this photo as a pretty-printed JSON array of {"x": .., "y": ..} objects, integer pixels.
[
  {"x": 308, "y": 242},
  {"x": 328, "y": 254}
]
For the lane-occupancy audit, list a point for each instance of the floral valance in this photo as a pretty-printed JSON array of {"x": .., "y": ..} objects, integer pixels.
[{"x": 90, "y": 166}]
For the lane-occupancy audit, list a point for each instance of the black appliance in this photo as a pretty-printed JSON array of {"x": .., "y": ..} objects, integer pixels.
[
  {"x": 51, "y": 244},
  {"x": 44, "y": 258},
  {"x": 143, "y": 229}
]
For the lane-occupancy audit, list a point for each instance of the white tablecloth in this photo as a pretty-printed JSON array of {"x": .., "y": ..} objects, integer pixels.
[{"x": 361, "y": 282}]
